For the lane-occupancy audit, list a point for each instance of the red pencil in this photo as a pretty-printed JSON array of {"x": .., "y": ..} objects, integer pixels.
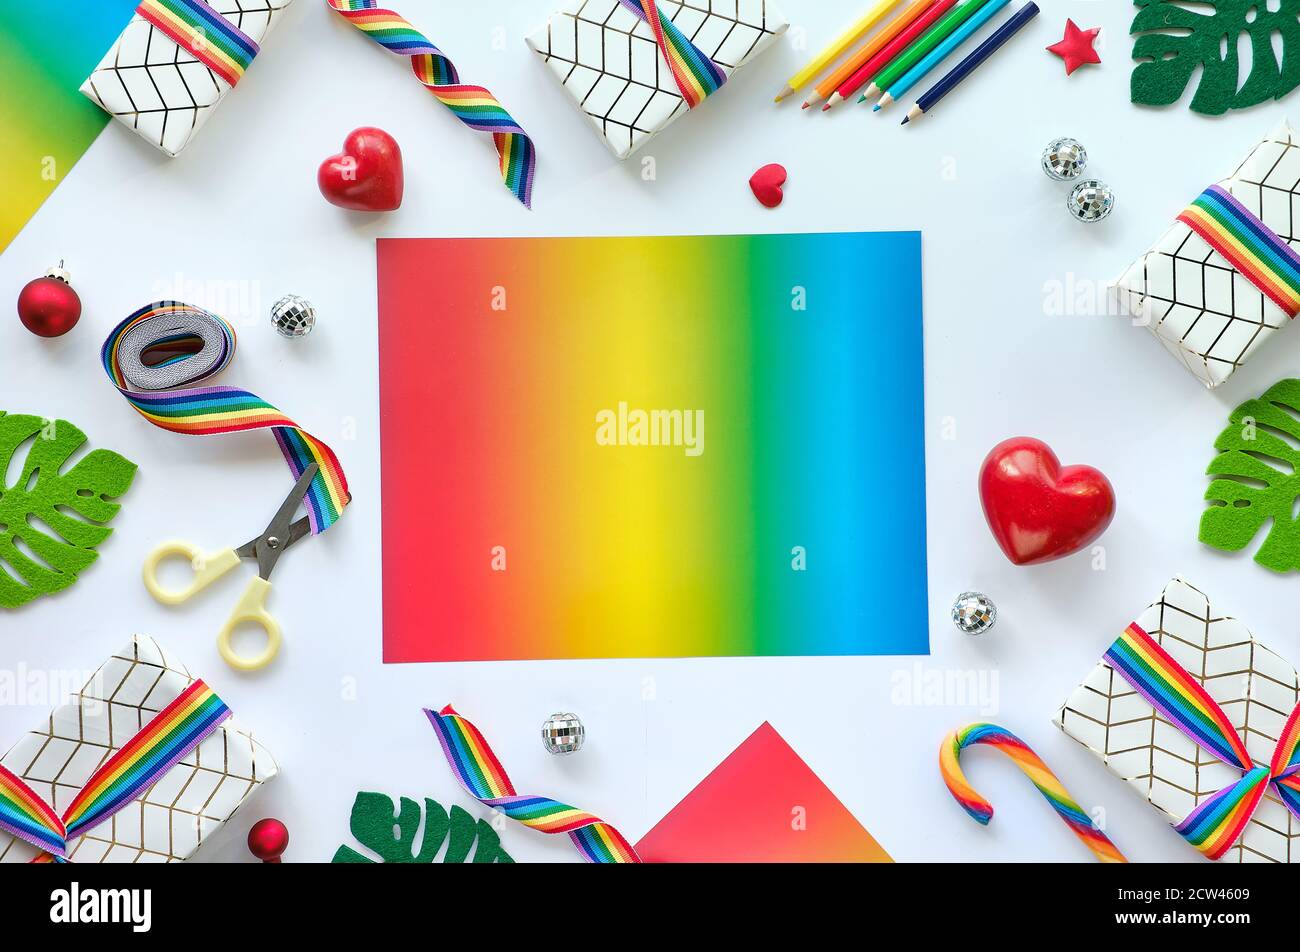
[{"x": 882, "y": 59}]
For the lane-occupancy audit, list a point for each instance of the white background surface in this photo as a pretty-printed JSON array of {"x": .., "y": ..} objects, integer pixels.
[{"x": 236, "y": 221}]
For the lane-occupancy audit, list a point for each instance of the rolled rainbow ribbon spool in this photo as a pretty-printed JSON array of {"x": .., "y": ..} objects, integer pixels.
[
  {"x": 193, "y": 345},
  {"x": 1048, "y": 784}
]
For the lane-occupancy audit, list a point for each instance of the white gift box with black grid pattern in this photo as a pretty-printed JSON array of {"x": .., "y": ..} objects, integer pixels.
[
  {"x": 1205, "y": 312},
  {"x": 1256, "y": 688},
  {"x": 172, "y": 818},
  {"x": 152, "y": 85},
  {"x": 606, "y": 58}
]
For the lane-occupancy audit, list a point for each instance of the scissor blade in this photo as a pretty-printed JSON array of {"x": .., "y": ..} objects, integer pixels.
[
  {"x": 302, "y": 527},
  {"x": 281, "y": 528}
]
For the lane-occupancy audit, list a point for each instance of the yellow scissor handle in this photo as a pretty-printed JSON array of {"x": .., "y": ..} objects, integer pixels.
[
  {"x": 207, "y": 569},
  {"x": 251, "y": 610}
]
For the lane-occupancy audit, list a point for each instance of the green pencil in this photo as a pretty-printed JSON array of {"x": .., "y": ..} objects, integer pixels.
[{"x": 928, "y": 41}]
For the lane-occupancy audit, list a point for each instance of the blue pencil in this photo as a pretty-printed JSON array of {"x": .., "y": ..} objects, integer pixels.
[
  {"x": 982, "y": 52},
  {"x": 940, "y": 53}
]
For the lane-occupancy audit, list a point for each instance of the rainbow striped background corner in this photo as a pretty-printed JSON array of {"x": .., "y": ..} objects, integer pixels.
[
  {"x": 46, "y": 52},
  {"x": 525, "y": 514}
]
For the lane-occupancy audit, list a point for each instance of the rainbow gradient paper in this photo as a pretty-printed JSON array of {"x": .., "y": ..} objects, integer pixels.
[
  {"x": 47, "y": 49},
  {"x": 511, "y": 532},
  {"x": 763, "y": 804}
]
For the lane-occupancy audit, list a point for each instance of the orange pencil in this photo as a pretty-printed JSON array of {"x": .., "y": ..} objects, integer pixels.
[
  {"x": 871, "y": 67},
  {"x": 870, "y": 49}
]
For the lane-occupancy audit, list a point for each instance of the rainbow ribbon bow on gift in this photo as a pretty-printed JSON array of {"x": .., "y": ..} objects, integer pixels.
[
  {"x": 479, "y": 771},
  {"x": 1216, "y": 824},
  {"x": 168, "y": 737}
]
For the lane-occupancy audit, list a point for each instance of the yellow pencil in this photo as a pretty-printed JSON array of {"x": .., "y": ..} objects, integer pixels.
[
  {"x": 846, "y": 39},
  {"x": 872, "y": 47}
]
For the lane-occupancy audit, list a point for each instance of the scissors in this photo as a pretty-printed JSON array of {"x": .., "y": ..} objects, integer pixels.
[{"x": 266, "y": 550}]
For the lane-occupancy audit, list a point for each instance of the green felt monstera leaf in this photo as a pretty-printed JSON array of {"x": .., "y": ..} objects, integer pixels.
[
  {"x": 52, "y": 521},
  {"x": 390, "y": 833},
  {"x": 1257, "y": 479},
  {"x": 1175, "y": 37}
]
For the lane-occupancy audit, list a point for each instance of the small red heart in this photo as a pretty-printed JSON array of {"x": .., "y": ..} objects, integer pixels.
[
  {"x": 766, "y": 184},
  {"x": 1037, "y": 509},
  {"x": 366, "y": 175}
]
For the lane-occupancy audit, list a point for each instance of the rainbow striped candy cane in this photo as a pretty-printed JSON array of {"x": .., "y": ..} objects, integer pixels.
[
  {"x": 472, "y": 105},
  {"x": 695, "y": 74},
  {"x": 482, "y": 775},
  {"x": 1047, "y": 783}
]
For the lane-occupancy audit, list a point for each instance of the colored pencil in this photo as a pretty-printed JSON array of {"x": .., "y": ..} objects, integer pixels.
[
  {"x": 967, "y": 66},
  {"x": 913, "y": 54},
  {"x": 868, "y": 50},
  {"x": 878, "y": 62},
  {"x": 940, "y": 52},
  {"x": 846, "y": 39}
]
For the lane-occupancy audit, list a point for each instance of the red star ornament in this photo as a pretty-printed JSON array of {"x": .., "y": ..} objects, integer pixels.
[{"x": 1076, "y": 47}]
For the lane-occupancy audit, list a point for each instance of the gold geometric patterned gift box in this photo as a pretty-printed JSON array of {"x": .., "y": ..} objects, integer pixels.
[
  {"x": 1231, "y": 792},
  {"x": 142, "y": 765},
  {"x": 176, "y": 61},
  {"x": 618, "y": 73},
  {"x": 1224, "y": 277}
]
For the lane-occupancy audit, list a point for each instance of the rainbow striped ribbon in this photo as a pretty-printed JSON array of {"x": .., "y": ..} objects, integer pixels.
[
  {"x": 1217, "y": 823},
  {"x": 204, "y": 33},
  {"x": 203, "y": 411},
  {"x": 696, "y": 75},
  {"x": 483, "y": 776},
  {"x": 472, "y": 105},
  {"x": 1250, "y": 246},
  {"x": 169, "y": 736},
  {"x": 25, "y": 815},
  {"x": 1048, "y": 784}
]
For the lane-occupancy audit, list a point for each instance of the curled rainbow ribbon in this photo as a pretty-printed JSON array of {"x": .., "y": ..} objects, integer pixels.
[
  {"x": 169, "y": 736},
  {"x": 1048, "y": 784},
  {"x": 203, "y": 33},
  {"x": 1217, "y": 823},
  {"x": 472, "y": 105},
  {"x": 482, "y": 775},
  {"x": 203, "y": 345},
  {"x": 695, "y": 74}
]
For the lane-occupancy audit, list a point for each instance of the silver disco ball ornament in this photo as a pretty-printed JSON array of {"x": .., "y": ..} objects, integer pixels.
[
  {"x": 293, "y": 316},
  {"x": 1064, "y": 159},
  {"x": 563, "y": 734},
  {"x": 1091, "y": 201},
  {"x": 974, "y": 613}
]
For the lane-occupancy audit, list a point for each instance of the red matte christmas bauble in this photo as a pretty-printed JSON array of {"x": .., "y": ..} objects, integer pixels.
[
  {"x": 268, "y": 839},
  {"x": 48, "y": 306}
]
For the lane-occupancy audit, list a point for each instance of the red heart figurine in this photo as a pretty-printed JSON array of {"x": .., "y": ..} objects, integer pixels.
[
  {"x": 366, "y": 175},
  {"x": 766, "y": 184},
  {"x": 1037, "y": 509}
]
